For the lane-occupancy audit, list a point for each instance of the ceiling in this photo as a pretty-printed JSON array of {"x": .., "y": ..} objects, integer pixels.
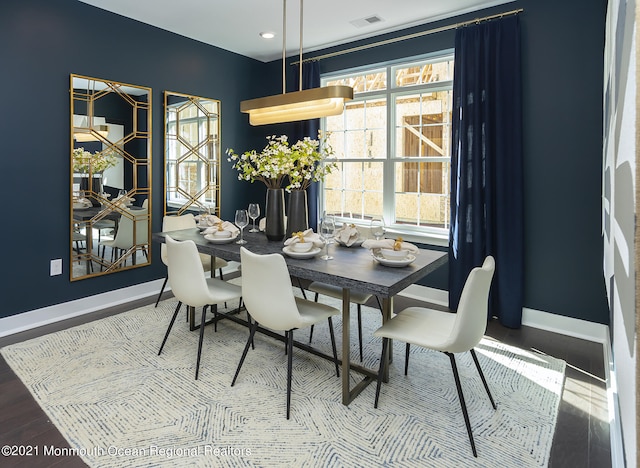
[{"x": 235, "y": 25}]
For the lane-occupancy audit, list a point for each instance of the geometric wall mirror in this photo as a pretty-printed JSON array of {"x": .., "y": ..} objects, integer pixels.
[
  {"x": 191, "y": 154},
  {"x": 110, "y": 160}
]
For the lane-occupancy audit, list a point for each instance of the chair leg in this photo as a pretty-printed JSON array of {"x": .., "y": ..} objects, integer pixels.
[
  {"x": 214, "y": 309},
  {"x": 173, "y": 319},
  {"x": 381, "y": 370},
  {"x": 301, "y": 288},
  {"x": 463, "y": 405},
  {"x": 254, "y": 327},
  {"x": 360, "y": 329},
  {"x": 166, "y": 278},
  {"x": 406, "y": 358},
  {"x": 315, "y": 299},
  {"x": 484, "y": 381},
  {"x": 333, "y": 347},
  {"x": 204, "y": 313},
  {"x": 289, "y": 369}
]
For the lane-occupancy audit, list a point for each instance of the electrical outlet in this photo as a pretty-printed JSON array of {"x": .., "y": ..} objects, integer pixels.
[{"x": 55, "y": 267}]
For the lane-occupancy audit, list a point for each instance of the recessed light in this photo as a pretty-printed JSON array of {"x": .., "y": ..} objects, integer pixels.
[{"x": 267, "y": 35}]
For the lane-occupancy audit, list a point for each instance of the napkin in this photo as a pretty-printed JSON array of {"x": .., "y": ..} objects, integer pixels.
[
  {"x": 208, "y": 220},
  {"x": 388, "y": 244},
  {"x": 309, "y": 236},
  {"x": 226, "y": 226},
  {"x": 348, "y": 234}
]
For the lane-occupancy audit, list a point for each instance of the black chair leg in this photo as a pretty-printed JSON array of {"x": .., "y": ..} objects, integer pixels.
[
  {"x": 202, "y": 322},
  {"x": 406, "y": 358},
  {"x": 254, "y": 327},
  {"x": 214, "y": 309},
  {"x": 463, "y": 405},
  {"x": 333, "y": 347},
  {"x": 161, "y": 290},
  {"x": 360, "y": 329},
  {"x": 381, "y": 370},
  {"x": 173, "y": 319},
  {"x": 315, "y": 299},
  {"x": 484, "y": 381},
  {"x": 289, "y": 369}
]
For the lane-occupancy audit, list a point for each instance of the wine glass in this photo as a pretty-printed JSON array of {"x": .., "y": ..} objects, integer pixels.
[
  {"x": 327, "y": 232},
  {"x": 377, "y": 227},
  {"x": 254, "y": 212},
  {"x": 242, "y": 219}
]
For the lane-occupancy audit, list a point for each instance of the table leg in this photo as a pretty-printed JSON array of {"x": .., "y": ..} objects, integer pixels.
[
  {"x": 346, "y": 346},
  {"x": 387, "y": 309}
]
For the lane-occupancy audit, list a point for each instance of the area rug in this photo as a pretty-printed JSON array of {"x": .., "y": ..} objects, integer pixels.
[{"x": 119, "y": 404}]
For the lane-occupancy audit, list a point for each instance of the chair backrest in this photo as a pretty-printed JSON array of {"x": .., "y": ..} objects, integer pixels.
[
  {"x": 471, "y": 317},
  {"x": 175, "y": 223},
  {"x": 267, "y": 291},
  {"x": 125, "y": 232},
  {"x": 185, "y": 273}
]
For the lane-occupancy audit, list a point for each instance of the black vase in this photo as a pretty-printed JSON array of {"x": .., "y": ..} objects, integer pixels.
[
  {"x": 297, "y": 212},
  {"x": 95, "y": 187},
  {"x": 275, "y": 215}
]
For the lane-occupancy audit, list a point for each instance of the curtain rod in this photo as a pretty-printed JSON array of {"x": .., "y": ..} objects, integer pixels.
[{"x": 410, "y": 36}]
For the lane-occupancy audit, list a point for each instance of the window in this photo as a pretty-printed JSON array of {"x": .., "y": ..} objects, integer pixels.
[{"x": 393, "y": 144}]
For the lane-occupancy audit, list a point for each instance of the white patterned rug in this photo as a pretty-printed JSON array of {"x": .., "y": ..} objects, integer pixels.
[{"x": 119, "y": 404}]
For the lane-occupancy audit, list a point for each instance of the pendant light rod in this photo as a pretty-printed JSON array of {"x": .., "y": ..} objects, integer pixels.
[
  {"x": 284, "y": 45},
  {"x": 300, "y": 68}
]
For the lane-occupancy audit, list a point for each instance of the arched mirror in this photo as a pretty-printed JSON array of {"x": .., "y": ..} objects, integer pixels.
[
  {"x": 192, "y": 154},
  {"x": 110, "y": 176}
]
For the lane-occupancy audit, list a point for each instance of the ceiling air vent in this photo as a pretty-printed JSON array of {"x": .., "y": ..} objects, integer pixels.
[{"x": 362, "y": 22}]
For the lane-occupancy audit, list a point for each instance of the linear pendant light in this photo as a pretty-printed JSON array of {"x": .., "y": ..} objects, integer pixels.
[{"x": 299, "y": 105}]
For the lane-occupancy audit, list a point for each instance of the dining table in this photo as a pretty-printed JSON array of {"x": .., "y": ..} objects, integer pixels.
[{"x": 351, "y": 268}]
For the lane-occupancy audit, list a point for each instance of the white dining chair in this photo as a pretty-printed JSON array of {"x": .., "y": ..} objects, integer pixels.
[
  {"x": 133, "y": 230},
  {"x": 356, "y": 297},
  {"x": 267, "y": 293},
  {"x": 191, "y": 287},
  {"x": 445, "y": 331},
  {"x": 186, "y": 221}
]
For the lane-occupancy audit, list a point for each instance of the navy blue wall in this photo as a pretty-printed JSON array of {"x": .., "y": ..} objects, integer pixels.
[{"x": 43, "y": 41}]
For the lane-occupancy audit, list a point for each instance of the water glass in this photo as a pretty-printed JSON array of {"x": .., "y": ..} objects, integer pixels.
[
  {"x": 327, "y": 232},
  {"x": 242, "y": 219},
  {"x": 254, "y": 213},
  {"x": 377, "y": 227}
]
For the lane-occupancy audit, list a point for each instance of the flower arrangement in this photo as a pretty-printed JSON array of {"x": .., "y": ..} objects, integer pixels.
[
  {"x": 86, "y": 162},
  {"x": 304, "y": 162},
  {"x": 312, "y": 161}
]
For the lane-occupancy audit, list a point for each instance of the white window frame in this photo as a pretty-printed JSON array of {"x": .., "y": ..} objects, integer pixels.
[{"x": 422, "y": 234}]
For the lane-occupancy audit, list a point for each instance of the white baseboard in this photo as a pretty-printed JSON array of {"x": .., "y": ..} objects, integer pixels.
[{"x": 56, "y": 313}]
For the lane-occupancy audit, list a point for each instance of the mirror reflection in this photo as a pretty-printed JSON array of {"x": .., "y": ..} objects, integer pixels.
[
  {"x": 111, "y": 176},
  {"x": 192, "y": 154}
]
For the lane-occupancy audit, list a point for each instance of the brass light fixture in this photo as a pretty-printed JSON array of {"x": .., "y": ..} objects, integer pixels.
[{"x": 299, "y": 105}]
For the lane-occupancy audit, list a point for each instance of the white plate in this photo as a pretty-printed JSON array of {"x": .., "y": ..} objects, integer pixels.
[
  {"x": 220, "y": 240},
  {"x": 292, "y": 253},
  {"x": 358, "y": 242},
  {"x": 394, "y": 263}
]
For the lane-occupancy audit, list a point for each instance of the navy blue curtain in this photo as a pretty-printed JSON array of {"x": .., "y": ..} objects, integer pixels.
[
  {"x": 486, "y": 164},
  {"x": 310, "y": 79}
]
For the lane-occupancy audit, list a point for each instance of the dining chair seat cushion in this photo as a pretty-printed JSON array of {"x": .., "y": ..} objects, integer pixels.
[
  {"x": 420, "y": 326},
  {"x": 336, "y": 291},
  {"x": 223, "y": 290},
  {"x": 313, "y": 312}
]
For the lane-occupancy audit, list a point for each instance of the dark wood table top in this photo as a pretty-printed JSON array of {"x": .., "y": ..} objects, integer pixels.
[{"x": 352, "y": 267}]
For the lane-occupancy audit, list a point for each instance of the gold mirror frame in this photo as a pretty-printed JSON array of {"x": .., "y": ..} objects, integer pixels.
[
  {"x": 110, "y": 161},
  {"x": 191, "y": 154}
]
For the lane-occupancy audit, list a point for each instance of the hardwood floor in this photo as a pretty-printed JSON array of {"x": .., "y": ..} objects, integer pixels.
[{"x": 582, "y": 430}]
